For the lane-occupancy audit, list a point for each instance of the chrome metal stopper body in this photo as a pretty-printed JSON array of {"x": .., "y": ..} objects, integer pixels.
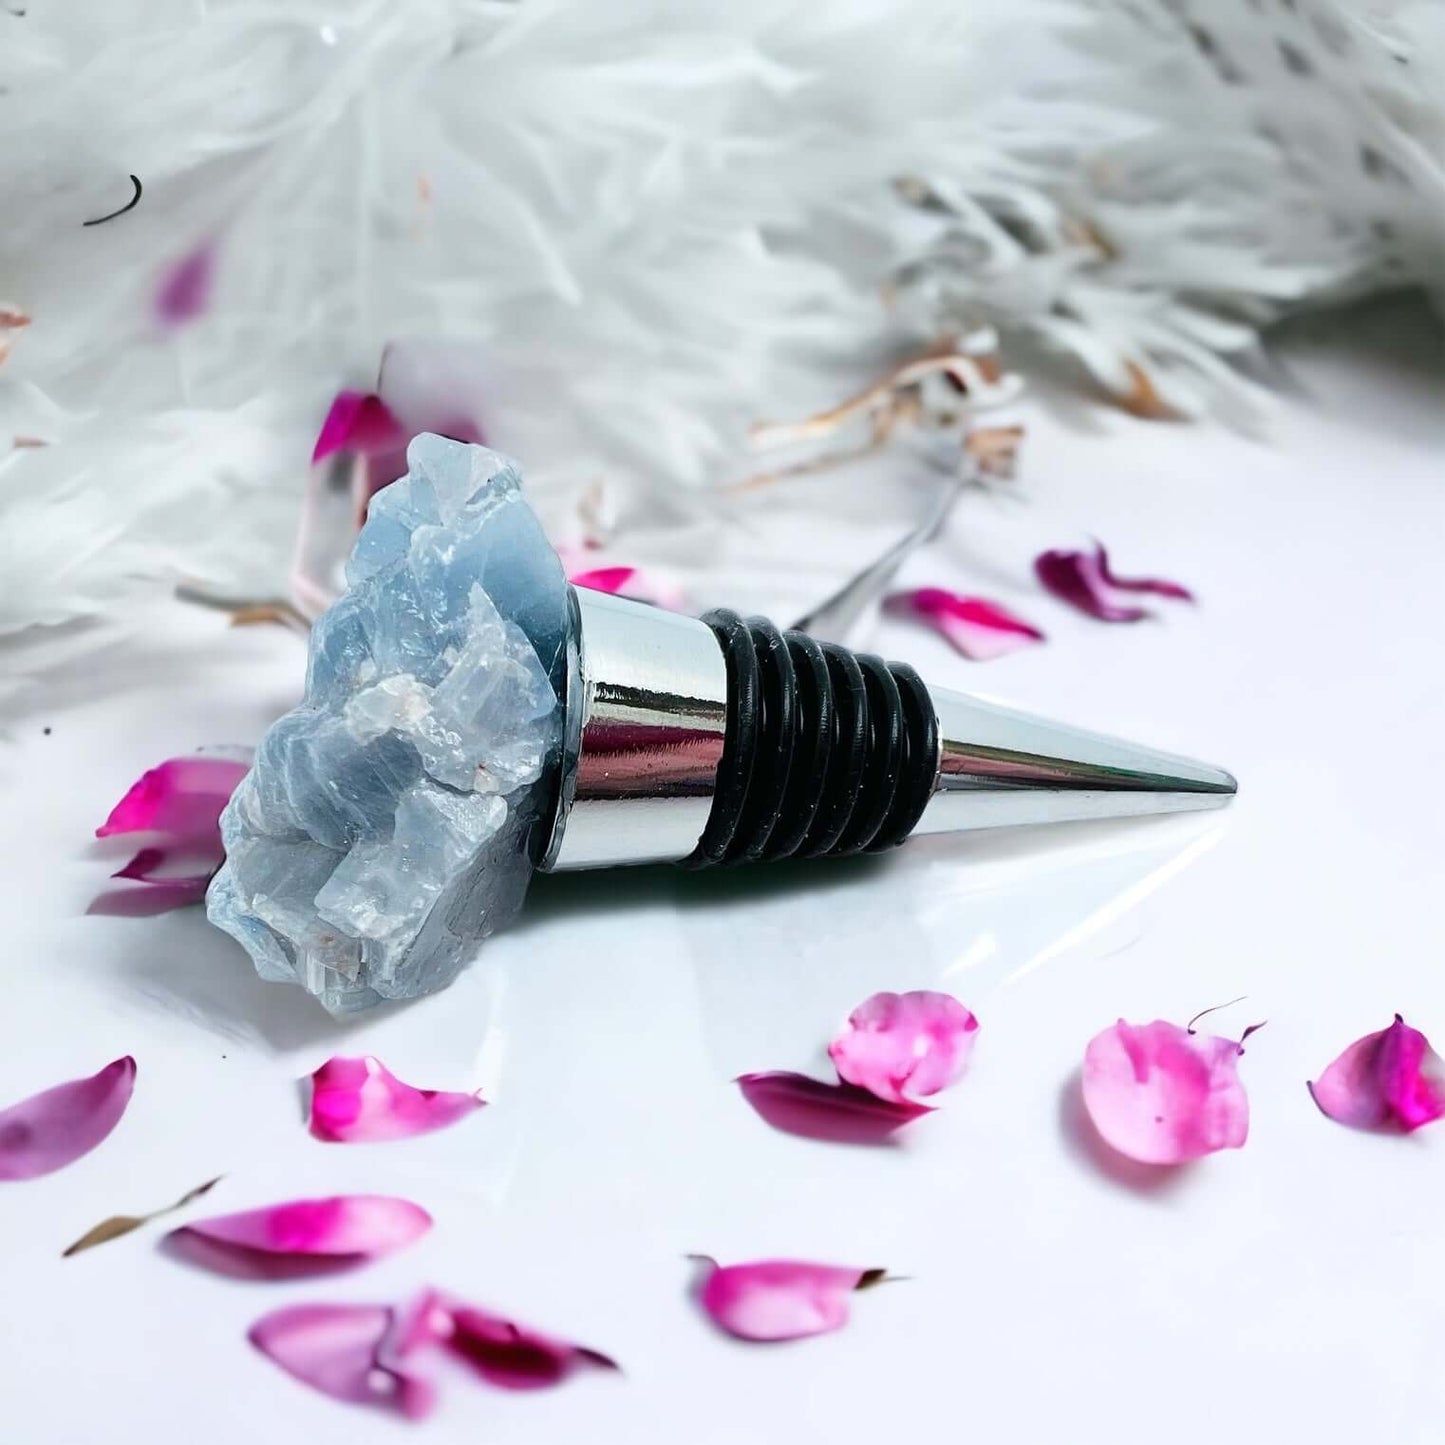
[{"x": 722, "y": 740}]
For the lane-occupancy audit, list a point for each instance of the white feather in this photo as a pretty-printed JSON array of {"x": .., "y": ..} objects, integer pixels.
[{"x": 655, "y": 223}]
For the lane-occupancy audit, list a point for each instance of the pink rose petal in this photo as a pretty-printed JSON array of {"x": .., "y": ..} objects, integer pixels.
[
  {"x": 981, "y": 630},
  {"x": 1162, "y": 1095},
  {"x": 359, "y": 1100},
  {"x": 50, "y": 1130},
  {"x": 359, "y": 422},
  {"x": 836, "y": 1113},
  {"x": 338, "y": 1350},
  {"x": 1390, "y": 1080},
  {"x": 780, "y": 1299},
  {"x": 629, "y": 582},
  {"x": 305, "y": 1236},
  {"x": 603, "y": 579},
  {"x": 181, "y": 798},
  {"x": 498, "y": 1349},
  {"x": 1084, "y": 580},
  {"x": 905, "y": 1046},
  {"x": 185, "y": 286},
  {"x": 180, "y": 889}
]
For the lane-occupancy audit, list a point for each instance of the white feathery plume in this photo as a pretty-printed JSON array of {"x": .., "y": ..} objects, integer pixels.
[{"x": 650, "y": 224}]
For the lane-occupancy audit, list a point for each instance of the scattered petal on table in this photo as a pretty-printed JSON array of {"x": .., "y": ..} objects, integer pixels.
[
  {"x": 359, "y": 1100},
  {"x": 1390, "y": 1080},
  {"x": 181, "y": 798},
  {"x": 629, "y": 582},
  {"x": 1162, "y": 1095},
  {"x": 502, "y": 1352},
  {"x": 903, "y": 1047},
  {"x": 304, "y": 1236},
  {"x": 147, "y": 867},
  {"x": 359, "y": 422},
  {"x": 1085, "y": 580},
  {"x": 122, "y": 1224},
  {"x": 338, "y": 1350},
  {"x": 978, "y": 628},
  {"x": 839, "y": 1113},
  {"x": 780, "y": 1299},
  {"x": 48, "y": 1131}
]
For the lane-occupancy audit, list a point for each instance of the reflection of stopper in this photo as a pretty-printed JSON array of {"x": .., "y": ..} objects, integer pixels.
[{"x": 469, "y": 716}]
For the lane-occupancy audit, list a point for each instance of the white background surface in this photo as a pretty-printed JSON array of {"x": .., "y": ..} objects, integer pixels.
[{"x": 1291, "y": 1291}]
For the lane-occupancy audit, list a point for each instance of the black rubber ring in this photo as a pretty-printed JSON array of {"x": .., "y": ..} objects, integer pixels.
[
  {"x": 849, "y": 753},
  {"x": 920, "y": 764},
  {"x": 885, "y": 757},
  {"x": 735, "y": 770},
  {"x": 808, "y": 780},
  {"x": 774, "y": 746}
]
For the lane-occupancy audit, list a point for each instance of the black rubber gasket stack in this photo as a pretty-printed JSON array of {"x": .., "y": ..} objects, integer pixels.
[{"x": 826, "y": 753}]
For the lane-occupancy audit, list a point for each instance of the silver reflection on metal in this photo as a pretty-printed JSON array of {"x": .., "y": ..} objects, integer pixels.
[
  {"x": 647, "y": 709},
  {"x": 646, "y": 722}
]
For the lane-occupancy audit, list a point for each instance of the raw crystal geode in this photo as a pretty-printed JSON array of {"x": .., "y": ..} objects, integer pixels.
[{"x": 386, "y": 827}]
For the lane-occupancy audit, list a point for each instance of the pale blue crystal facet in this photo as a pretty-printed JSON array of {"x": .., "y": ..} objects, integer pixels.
[{"x": 387, "y": 825}]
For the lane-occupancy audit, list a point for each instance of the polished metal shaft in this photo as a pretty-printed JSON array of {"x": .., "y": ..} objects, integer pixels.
[{"x": 647, "y": 711}]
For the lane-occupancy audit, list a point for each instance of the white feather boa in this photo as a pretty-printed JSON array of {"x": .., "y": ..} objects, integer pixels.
[{"x": 654, "y": 222}]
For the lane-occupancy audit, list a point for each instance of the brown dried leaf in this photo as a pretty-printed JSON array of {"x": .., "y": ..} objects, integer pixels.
[
  {"x": 994, "y": 450},
  {"x": 122, "y": 1224},
  {"x": 1142, "y": 399}
]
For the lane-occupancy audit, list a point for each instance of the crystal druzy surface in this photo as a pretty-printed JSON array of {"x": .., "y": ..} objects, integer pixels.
[{"x": 386, "y": 827}]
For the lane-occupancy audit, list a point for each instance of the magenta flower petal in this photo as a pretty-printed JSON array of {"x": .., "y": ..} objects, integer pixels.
[
  {"x": 50, "y": 1130},
  {"x": 359, "y": 422},
  {"x": 979, "y": 629},
  {"x": 1390, "y": 1080},
  {"x": 836, "y": 1113},
  {"x": 604, "y": 579},
  {"x": 1162, "y": 1095},
  {"x": 338, "y": 1350},
  {"x": 185, "y": 286},
  {"x": 629, "y": 582},
  {"x": 1159, "y": 586},
  {"x": 498, "y": 1349},
  {"x": 305, "y": 1236},
  {"x": 360, "y": 1101},
  {"x": 1084, "y": 581},
  {"x": 780, "y": 1299},
  {"x": 182, "y": 798},
  {"x": 905, "y": 1046},
  {"x": 182, "y": 888}
]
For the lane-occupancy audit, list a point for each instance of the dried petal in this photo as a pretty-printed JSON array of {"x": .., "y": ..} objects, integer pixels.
[
  {"x": 1162, "y": 1095},
  {"x": 903, "y": 1047},
  {"x": 181, "y": 798},
  {"x": 338, "y": 1350},
  {"x": 360, "y": 1101},
  {"x": 501, "y": 1351},
  {"x": 838, "y": 1113},
  {"x": 978, "y": 628},
  {"x": 305, "y": 1236},
  {"x": 1391, "y": 1080},
  {"x": 780, "y": 1299},
  {"x": 361, "y": 423},
  {"x": 119, "y": 1225},
  {"x": 1084, "y": 580},
  {"x": 50, "y": 1130},
  {"x": 185, "y": 286}
]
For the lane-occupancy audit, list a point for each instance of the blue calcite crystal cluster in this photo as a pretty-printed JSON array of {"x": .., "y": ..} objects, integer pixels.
[{"x": 388, "y": 823}]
